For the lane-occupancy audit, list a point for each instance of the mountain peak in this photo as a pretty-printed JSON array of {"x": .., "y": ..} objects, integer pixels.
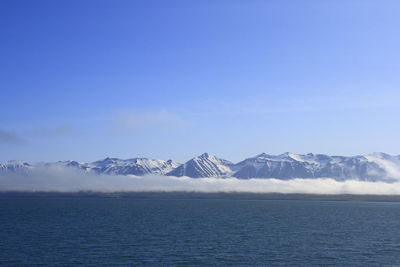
[
  {"x": 204, "y": 155},
  {"x": 288, "y": 154},
  {"x": 17, "y": 163},
  {"x": 205, "y": 165},
  {"x": 375, "y": 166},
  {"x": 380, "y": 154}
]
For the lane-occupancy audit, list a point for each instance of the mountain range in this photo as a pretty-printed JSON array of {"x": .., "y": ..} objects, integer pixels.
[{"x": 372, "y": 167}]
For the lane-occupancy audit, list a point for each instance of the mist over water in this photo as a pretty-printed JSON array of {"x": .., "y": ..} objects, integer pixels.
[{"x": 59, "y": 179}]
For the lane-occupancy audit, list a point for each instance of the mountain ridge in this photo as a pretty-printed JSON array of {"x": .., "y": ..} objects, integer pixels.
[{"x": 372, "y": 167}]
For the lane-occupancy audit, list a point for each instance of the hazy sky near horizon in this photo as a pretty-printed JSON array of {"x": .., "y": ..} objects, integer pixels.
[{"x": 173, "y": 79}]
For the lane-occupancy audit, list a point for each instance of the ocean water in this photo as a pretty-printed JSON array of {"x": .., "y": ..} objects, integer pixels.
[{"x": 157, "y": 232}]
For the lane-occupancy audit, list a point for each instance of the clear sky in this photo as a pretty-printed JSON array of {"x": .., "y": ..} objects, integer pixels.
[{"x": 87, "y": 79}]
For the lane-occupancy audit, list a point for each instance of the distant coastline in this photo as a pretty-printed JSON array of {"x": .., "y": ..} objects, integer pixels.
[{"x": 200, "y": 195}]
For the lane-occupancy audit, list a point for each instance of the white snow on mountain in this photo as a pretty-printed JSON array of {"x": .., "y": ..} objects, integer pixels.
[
  {"x": 372, "y": 167},
  {"x": 14, "y": 165},
  {"x": 205, "y": 165}
]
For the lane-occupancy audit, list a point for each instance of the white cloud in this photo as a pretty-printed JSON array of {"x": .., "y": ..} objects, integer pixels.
[
  {"x": 130, "y": 120},
  {"x": 46, "y": 132},
  {"x": 8, "y": 137},
  {"x": 70, "y": 180}
]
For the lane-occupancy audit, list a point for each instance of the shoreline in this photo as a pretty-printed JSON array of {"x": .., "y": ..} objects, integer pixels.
[{"x": 201, "y": 195}]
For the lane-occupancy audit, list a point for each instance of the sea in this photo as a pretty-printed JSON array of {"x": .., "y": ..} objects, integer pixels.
[{"x": 197, "y": 232}]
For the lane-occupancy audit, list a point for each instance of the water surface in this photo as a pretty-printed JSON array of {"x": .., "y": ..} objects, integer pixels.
[{"x": 157, "y": 232}]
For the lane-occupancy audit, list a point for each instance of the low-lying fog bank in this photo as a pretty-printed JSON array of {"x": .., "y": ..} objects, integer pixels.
[{"x": 70, "y": 180}]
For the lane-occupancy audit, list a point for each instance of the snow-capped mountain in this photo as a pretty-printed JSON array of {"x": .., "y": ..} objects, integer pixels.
[
  {"x": 134, "y": 166},
  {"x": 372, "y": 167},
  {"x": 289, "y": 165},
  {"x": 69, "y": 163},
  {"x": 13, "y": 166},
  {"x": 284, "y": 166},
  {"x": 205, "y": 165}
]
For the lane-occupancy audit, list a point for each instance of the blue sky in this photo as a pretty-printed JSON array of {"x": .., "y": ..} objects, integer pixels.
[{"x": 172, "y": 79}]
